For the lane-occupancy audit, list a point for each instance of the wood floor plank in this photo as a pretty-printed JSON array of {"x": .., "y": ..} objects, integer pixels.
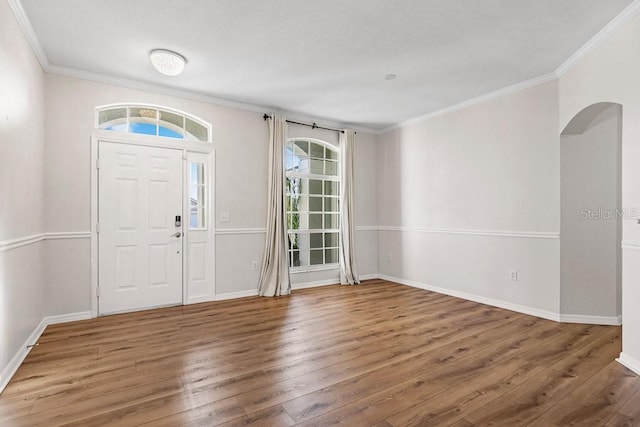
[
  {"x": 541, "y": 422},
  {"x": 95, "y": 390},
  {"x": 101, "y": 404},
  {"x": 379, "y": 354},
  {"x": 273, "y": 416},
  {"x": 327, "y": 377},
  {"x": 533, "y": 398},
  {"x": 145, "y": 412},
  {"x": 212, "y": 413},
  {"x": 597, "y": 400},
  {"x": 438, "y": 379},
  {"x": 629, "y": 414},
  {"x": 464, "y": 359},
  {"x": 13, "y": 407},
  {"x": 452, "y": 404}
]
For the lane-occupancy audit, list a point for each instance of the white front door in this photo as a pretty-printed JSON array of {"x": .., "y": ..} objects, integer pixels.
[{"x": 139, "y": 243}]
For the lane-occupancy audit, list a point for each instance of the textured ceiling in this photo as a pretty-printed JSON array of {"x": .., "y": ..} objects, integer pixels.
[{"x": 325, "y": 59}]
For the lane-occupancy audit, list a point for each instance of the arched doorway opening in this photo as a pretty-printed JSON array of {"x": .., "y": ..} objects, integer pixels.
[{"x": 591, "y": 216}]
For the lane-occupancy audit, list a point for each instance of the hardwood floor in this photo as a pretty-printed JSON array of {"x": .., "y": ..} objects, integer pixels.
[{"x": 378, "y": 354}]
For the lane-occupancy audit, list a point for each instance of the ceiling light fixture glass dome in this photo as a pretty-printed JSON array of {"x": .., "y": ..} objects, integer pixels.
[{"x": 167, "y": 62}]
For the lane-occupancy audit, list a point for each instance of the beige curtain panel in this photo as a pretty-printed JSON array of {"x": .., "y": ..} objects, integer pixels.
[
  {"x": 274, "y": 275},
  {"x": 348, "y": 270}
]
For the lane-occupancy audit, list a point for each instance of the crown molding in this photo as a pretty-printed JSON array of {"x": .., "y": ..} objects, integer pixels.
[
  {"x": 601, "y": 36},
  {"x": 607, "y": 31},
  {"x": 630, "y": 12},
  {"x": 32, "y": 38},
  {"x": 151, "y": 87},
  {"x": 192, "y": 95},
  {"x": 536, "y": 81},
  {"x": 30, "y": 34}
]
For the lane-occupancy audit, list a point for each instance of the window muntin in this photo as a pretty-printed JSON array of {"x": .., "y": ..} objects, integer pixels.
[
  {"x": 312, "y": 202},
  {"x": 151, "y": 120}
]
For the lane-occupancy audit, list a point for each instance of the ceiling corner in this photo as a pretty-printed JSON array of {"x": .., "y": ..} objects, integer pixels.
[
  {"x": 30, "y": 34},
  {"x": 600, "y": 37}
]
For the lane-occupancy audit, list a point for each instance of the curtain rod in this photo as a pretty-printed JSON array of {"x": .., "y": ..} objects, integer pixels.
[{"x": 312, "y": 126}]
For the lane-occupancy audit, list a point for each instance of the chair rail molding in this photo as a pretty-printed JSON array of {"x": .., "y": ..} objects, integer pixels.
[
  {"x": 554, "y": 235},
  {"x": 232, "y": 231},
  {"x": 7, "y": 245}
]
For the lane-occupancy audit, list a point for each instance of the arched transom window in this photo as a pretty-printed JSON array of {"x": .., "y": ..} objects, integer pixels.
[
  {"x": 313, "y": 206},
  {"x": 152, "y": 120}
]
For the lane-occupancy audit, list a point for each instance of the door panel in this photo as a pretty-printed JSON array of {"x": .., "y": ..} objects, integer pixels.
[{"x": 139, "y": 195}]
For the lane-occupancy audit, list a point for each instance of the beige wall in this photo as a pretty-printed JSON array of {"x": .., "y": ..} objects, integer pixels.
[
  {"x": 453, "y": 185},
  {"x": 610, "y": 74},
  {"x": 21, "y": 190},
  {"x": 495, "y": 167},
  {"x": 240, "y": 180},
  {"x": 591, "y": 228},
  {"x": 240, "y": 140},
  {"x": 462, "y": 199}
]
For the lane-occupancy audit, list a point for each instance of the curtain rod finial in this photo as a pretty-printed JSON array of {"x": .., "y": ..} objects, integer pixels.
[{"x": 266, "y": 116}]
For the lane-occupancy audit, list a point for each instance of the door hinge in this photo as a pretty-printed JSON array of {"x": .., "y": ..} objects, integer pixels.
[
  {"x": 98, "y": 291},
  {"x": 97, "y": 163},
  {"x": 97, "y": 227}
]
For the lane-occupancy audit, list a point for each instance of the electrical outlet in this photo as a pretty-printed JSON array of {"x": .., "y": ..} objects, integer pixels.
[
  {"x": 225, "y": 217},
  {"x": 390, "y": 256},
  {"x": 513, "y": 275},
  {"x": 254, "y": 265}
]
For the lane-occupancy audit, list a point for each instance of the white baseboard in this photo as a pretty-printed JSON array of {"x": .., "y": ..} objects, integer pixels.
[
  {"x": 629, "y": 362},
  {"x": 549, "y": 315},
  {"x": 64, "y": 318},
  {"x": 591, "y": 320},
  {"x": 557, "y": 317},
  {"x": 233, "y": 295},
  {"x": 476, "y": 298},
  {"x": 329, "y": 282},
  {"x": 253, "y": 293},
  {"x": 9, "y": 371},
  {"x": 315, "y": 284},
  {"x": 198, "y": 300}
]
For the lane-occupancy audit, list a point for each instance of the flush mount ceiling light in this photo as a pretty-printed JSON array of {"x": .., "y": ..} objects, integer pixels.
[
  {"x": 167, "y": 62},
  {"x": 390, "y": 77}
]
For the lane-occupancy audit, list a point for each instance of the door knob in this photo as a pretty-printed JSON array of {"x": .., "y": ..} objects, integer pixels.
[{"x": 177, "y": 234}]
